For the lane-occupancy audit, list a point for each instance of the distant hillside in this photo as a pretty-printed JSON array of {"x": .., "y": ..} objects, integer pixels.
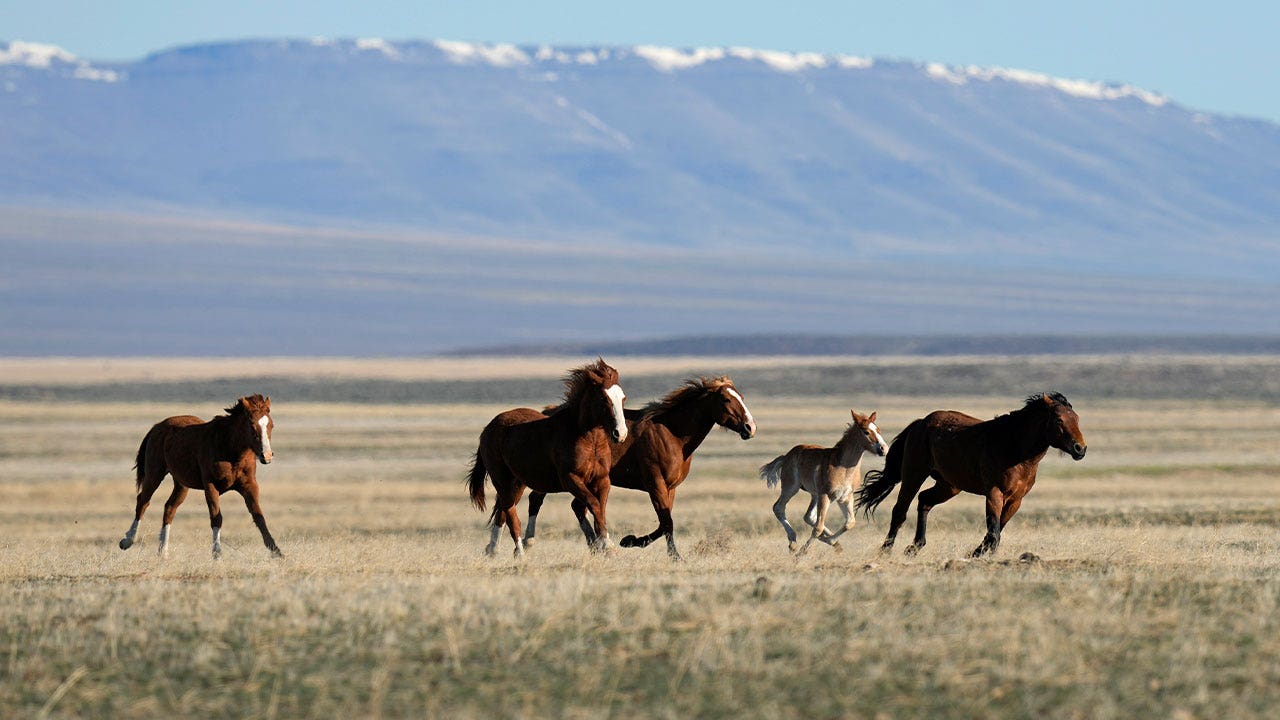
[
  {"x": 873, "y": 345},
  {"x": 370, "y": 197}
]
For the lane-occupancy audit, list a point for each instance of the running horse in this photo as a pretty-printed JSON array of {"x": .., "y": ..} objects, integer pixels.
[
  {"x": 214, "y": 457},
  {"x": 657, "y": 458},
  {"x": 997, "y": 459},
  {"x": 566, "y": 451},
  {"x": 828, "y": 475}
]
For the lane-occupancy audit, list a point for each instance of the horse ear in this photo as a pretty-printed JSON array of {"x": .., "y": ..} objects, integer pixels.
[
  {"x": 873, "y": 416},
  {"x": 1047, "y": 400},
  {"x": 853, "y": 414},
  {"x": 243, "y": 403}
]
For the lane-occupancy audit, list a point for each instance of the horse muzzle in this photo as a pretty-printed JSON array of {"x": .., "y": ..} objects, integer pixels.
[
  {"x": 265, "y": 458},
  {"x": 882, "y": 449},
  {"x": 747, "y": 432},
  {"x": 1077, "y": 451},
  {"x": 618, "y": 436}
]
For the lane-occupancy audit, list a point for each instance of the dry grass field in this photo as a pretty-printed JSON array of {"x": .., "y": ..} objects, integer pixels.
[{"x": 1154, "y": 592}]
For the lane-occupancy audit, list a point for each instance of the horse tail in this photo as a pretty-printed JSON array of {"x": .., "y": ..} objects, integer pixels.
[
  {"x": 771, "y": 473},
  {"x": 475, "y": 481},
  {"x": 140, "y": 463},
  {"x": 877, "y": 484}
]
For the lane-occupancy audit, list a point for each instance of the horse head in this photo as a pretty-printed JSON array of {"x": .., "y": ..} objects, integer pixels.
[
  {"x": 731, "y": 410},
  {"x": 256, "y": 425},
  {"x": 1062, "y": 425},
  {"x": 865, "y": 433},
  {"x": 595, "y": 390}
]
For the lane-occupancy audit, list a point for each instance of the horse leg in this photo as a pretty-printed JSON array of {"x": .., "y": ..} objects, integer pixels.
[
  {"x": 513, "y": 526},
  {"x": 215, "y": 517},
  {"x": 1010, "y": 507},
  {"x": 148, "y": 488},
  {"x": 597, "y": 505},
  {"x": 788, "y": 491},
  {"x": 170, "y": 509},
  {"x": 249, "y": 491},
  {"x": 495, "y": 529},
  {"x": 913, "y": 476},
  {"x": 662, "y": 500},
  {"x": 929, "y": 499},
  {"x": 580, "y": 511},
  {"x": 824, "y": 502},
  {"x": 535, "y": 506},
  {"x": 995, "y": 508},
  {"x": 845, "y": 503}
]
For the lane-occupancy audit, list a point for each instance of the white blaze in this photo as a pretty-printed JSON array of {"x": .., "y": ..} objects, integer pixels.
[
  {"x": 620, "y": 420},
  {"x": 875, "y": 432},
  {"x": 751, "y": 422},
  {"x": 266, "y": 439}
]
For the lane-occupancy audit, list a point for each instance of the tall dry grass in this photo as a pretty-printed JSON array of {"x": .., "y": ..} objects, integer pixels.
[{"x": 1154, "y": 593}]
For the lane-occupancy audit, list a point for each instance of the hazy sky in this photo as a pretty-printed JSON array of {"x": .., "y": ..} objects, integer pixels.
[{"x": 1220, "y": 56}]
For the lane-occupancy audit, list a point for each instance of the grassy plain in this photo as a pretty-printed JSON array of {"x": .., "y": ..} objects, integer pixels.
[{"x": 1156, "y": 591}]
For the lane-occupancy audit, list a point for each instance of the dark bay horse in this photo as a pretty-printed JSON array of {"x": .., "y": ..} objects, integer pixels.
[
  {"x": 996, "y": 459},
  {"x": 566, "y": 451},
  {"x": 214, "y": 457},
  {"x": 659, "y": 453},
  {"x": 827, "y": 474}
]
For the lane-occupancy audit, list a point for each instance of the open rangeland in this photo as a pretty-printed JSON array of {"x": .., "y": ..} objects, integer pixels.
[{"x": 1150, "y": 585}]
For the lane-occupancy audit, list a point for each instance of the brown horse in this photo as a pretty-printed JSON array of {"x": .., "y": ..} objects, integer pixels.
[
  {"x": 567, "y": 451},
  {"x": 659, "y": 453},
  {"x": 996, "y": 459},
  {"x": 214, "y": 457},
  {"x": 827, "y": 474}
]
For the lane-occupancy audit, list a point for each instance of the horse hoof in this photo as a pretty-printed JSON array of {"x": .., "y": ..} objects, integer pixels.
[
  {"x": 126, "y": 543},
  {"x": 911, "y": 550},
  {"x": 675, "y": 557},
  {"x": 792, "y": 546},
  {"x": 629, "y": 541},
  {"x": 275, "y": 553},
  {"x": 490, "y": 551},
  {"x": 837, "y": 547}
]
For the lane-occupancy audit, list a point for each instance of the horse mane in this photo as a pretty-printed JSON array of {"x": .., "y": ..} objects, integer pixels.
[
  {"x": 692, "y": 389},
  {"x": 1055, "y": 398},
  {"x": 249, "y": 404},
  {"x": 848, "y": 434},
  {"x": 579, "y": 380}
]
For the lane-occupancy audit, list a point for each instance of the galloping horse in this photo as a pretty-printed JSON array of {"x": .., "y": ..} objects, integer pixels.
[
  {"x": 997, "y": 459},
  {"x": 827, "y": 474},
  {"x": 214, "y": 457},
  {"x": 566, "y": 451},
  {"x": 657, "y": 458}
]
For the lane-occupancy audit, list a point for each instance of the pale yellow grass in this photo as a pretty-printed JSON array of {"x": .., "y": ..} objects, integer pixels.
[{"x": 1155, "y": 592}]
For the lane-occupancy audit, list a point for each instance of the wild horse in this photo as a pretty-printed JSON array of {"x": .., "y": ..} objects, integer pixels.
[
  {"x": 997, "y": 459},
  {"x": 214, "y": 457},
  {"x": 566, "y": 451},
  {"x": 827, "y": 474},
  {"x": 657, "y": 458}
]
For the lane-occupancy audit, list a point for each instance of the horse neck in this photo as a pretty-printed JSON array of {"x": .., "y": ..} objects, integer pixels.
[
  {"x": 1021, "y": 433},
  {"x": 688, "y": 423},
  {"x": 224, "y": 436},
  {"x": 577, "y": 417},
  {"x": 847, "y": 453}
]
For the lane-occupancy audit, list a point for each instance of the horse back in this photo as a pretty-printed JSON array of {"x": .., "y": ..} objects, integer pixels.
[
  {"x": 956, "y": 446},
  {"x": 160, "y": 438},
  {"x": 527, "y": 444}
]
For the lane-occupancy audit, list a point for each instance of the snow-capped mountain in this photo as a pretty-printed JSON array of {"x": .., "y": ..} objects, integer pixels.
[{"x": 719, "y": 151}]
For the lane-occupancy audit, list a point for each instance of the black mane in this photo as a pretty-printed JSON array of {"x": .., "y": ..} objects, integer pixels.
[{"x": 1056, "y": 398}]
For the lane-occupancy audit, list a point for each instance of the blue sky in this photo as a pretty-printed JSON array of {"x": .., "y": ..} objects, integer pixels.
[{"x": 1219, "y": 56}]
